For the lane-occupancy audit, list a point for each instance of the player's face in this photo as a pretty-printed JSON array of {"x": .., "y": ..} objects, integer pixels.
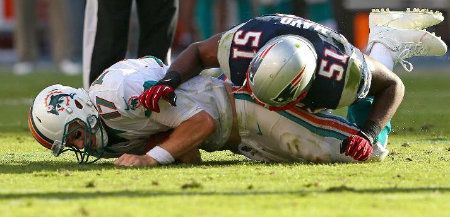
[{"x": 78, "y": 136}]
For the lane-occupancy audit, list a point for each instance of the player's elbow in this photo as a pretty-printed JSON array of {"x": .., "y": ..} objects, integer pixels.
[
  {"x": 399, "y": 87},
  {"x": 206, "y": 52},
  {"x": 194, "y": 47},
  {"x": 195, "y": 55}
]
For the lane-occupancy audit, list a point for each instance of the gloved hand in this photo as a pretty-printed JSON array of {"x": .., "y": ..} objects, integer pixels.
[
  {"x": 357, "y": 146},
  {"x": 164, "y": 88},
  {"x": 150, "y": 97}
]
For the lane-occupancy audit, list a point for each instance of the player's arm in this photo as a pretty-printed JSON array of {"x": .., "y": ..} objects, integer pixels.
[
  {"x": 189, "y": 134},
  {"x": 196, "y": 57},
  {"x": 388, "y": 91},
  {"x": 189, "y": 63},
  {"x": 192, "y": 156},
  {"x": 181, "y": 144}
]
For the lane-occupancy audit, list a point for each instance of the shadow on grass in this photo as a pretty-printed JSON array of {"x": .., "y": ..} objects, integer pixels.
[
  {"x": 149, "y": 194},
  {"x": 20, "y": 167},
  {"x": 54, "y": 166},
  {"x": 49, "y": 166}
]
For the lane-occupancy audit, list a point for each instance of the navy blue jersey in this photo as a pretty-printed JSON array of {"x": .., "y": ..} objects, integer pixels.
[{"x": 341, "y": 74}]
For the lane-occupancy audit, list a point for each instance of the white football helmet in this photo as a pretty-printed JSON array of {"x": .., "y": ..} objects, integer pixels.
[
  {"x": 55, "y": 109},
  {"x": 281, "y": 72}
]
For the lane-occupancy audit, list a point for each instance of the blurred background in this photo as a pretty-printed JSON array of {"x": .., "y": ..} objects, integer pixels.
[
  {"x": 41, "y": 44},
  {"x": 46, "y": 35}
]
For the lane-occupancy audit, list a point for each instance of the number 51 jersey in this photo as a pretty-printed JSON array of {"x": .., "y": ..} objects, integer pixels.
[{"x": 341, "y": 75}]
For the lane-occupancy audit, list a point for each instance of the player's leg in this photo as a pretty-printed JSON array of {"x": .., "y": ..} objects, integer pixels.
[
  {"x": 401, "y": 44},
  {"x": 59, "y": 31},
  {"x": 157, "y": 23},
  {"x": 398, "y": 35},
  {"x": 256, "y": 142},
  {"x": 383, "y": 55},
  {"x": 25, "y": 36},
  {"x": 105, "y": 36},
  {"x": 293, "y": 135}
]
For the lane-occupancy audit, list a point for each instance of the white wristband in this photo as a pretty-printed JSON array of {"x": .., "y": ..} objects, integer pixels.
[{"x": 161, "y": 155}]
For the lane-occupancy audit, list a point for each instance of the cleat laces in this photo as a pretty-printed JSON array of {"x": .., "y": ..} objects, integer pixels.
[
  {"x": 402, "y": 51},
  {"x": 409, "y": 50}
]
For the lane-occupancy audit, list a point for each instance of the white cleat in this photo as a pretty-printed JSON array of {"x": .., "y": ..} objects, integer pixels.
[
  {"x": 409, "y": 19},
  {"x": 406, "y": 43}
]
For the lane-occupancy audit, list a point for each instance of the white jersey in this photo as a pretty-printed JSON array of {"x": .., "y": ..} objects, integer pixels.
[
  {"x": 293, "y": 135},
  {"x": 129, "y": 124}
]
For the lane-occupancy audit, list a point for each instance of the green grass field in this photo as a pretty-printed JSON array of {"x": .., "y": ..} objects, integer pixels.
[{"x": 414, "y": 180}]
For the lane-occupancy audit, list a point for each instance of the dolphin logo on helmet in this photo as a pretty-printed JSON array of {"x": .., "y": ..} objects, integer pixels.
[{"x": 56, "y": 100}]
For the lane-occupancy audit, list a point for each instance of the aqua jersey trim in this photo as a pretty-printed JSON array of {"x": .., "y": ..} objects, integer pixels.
[{"x": 320, "y": 124}]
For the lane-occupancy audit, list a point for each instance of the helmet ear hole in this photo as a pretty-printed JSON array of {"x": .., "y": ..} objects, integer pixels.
[{"x": 78, "y": 104}]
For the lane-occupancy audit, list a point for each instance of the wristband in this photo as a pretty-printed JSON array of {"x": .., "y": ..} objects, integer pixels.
[
  {"x": 370, "y": 130},
  {"x": 365, "y": 136},
  {"x": 172, "y": 78},
  {"x": 161, "y": 155}
]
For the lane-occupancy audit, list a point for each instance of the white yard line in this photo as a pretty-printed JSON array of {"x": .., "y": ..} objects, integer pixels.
[{"x": 16, "y": 102}]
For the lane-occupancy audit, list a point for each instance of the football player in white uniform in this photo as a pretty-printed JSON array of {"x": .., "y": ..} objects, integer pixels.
[
  {"x": 287, "y": 61},
  {"x": 109, "y": 121}
]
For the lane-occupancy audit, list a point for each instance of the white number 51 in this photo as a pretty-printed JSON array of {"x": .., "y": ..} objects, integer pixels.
[{"x": 335, "y": 69}]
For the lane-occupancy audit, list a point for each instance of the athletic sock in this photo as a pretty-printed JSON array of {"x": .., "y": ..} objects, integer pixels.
[{"x": 383, "y": 55}]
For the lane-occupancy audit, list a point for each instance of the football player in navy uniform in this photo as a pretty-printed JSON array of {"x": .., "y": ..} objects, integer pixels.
[{"x": 289, "y": 62}]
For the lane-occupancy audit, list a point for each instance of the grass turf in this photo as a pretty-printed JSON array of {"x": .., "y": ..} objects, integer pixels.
[{"x": 414, "y": 180}]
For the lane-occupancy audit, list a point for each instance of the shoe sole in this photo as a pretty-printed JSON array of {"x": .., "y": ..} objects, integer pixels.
[
  {"x": 434, "y": 44},
  {"x": 409, "y": 19}
]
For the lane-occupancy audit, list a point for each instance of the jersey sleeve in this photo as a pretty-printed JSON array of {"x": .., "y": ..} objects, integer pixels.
[
  {"x": 357, "y": 81},
  {"x": 223, "y": 52},
  {"x": 137, "y": 75}
]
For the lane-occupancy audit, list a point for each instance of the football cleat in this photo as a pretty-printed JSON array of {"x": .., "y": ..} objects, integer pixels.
[
  {"x": 409, "y": 19},
  {"x": 406, "y": 43}
]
